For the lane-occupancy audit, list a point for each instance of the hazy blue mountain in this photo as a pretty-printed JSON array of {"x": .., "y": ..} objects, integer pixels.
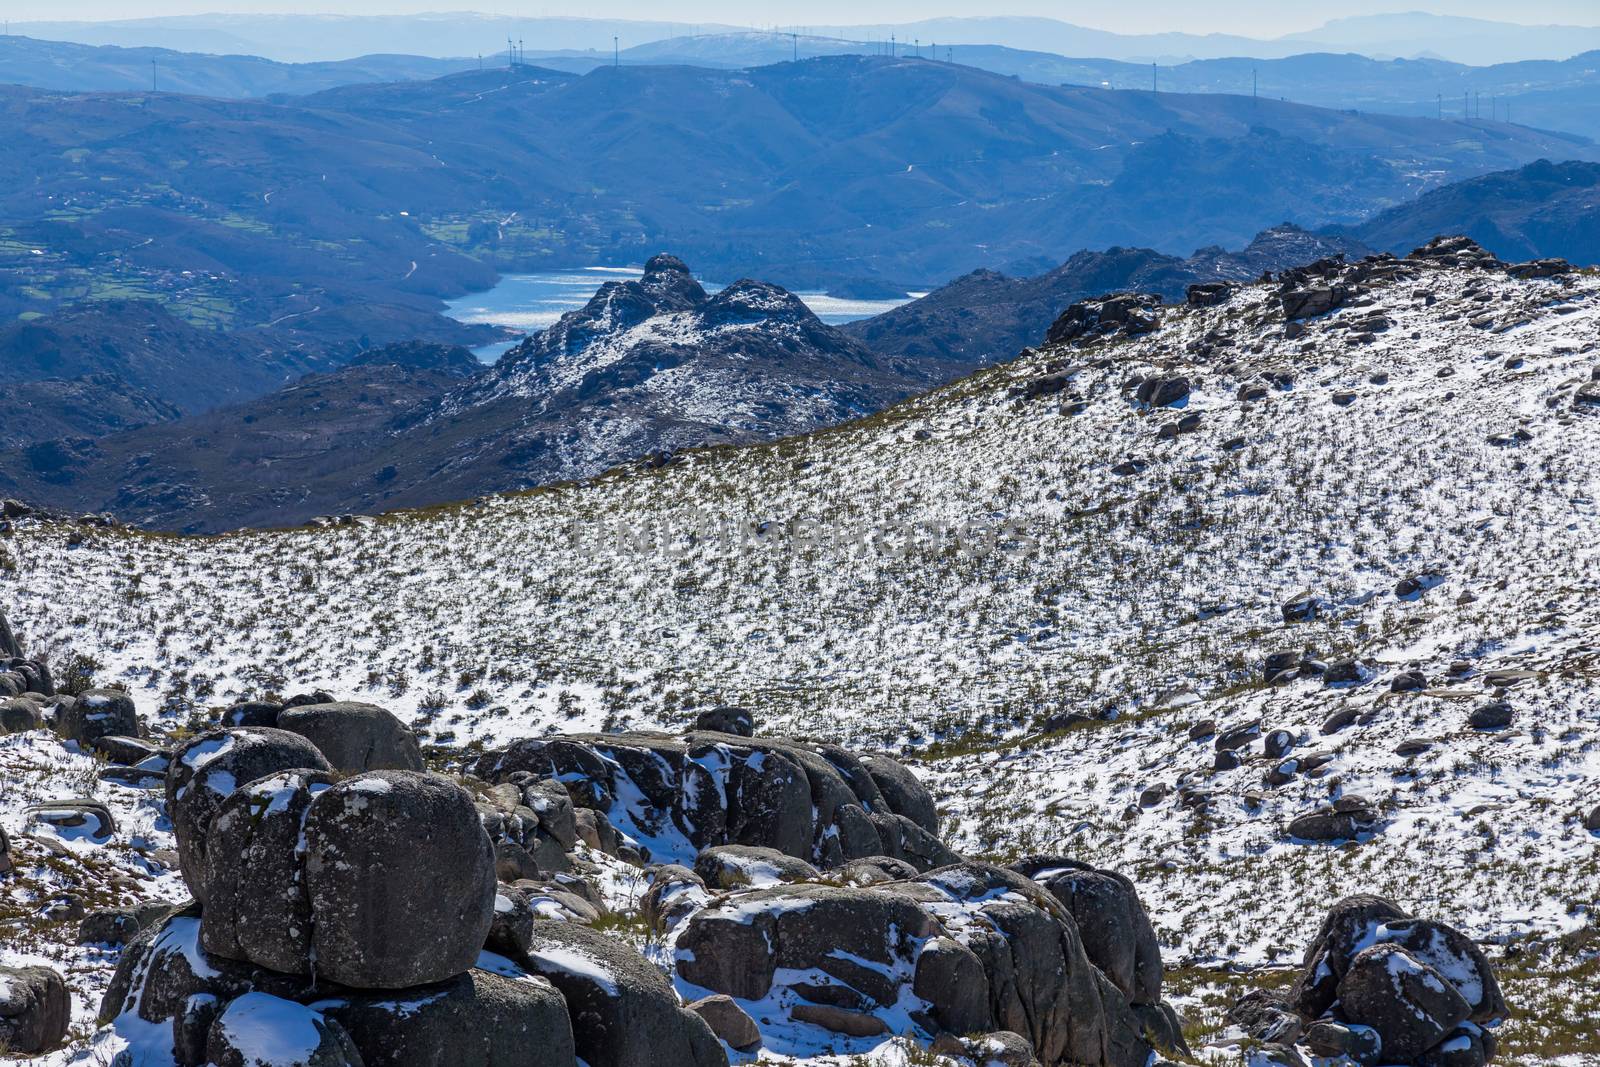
[
  {"x": 80, "y": 68},
  {"x": 318, "y": 38},
  {"x": 646, "y": 367},
  {"x": 351, "y": 214},
  {"x": 1547, "y": 94},
  {"x": 1465, "y": 40},
  {"x": 301, "y": 38},
  {"x": 1541, "y": 210}
]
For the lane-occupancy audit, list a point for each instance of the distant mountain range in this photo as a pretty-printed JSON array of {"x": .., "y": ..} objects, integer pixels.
[
  {"x": 1547, "y": 94},
  {"x": 986, "y": 317},
  {"x": 303, "y": 38},
  {"x": 1543, "y": 209},
  {"x": 645, "y": 367},
  {"x": 349, "y": 215},
  {"x": 73, "y": 67}
]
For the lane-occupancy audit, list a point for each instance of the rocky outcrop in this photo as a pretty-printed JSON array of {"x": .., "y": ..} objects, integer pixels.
[
  {"x": 1106, "y": 317},
  {"x": 1424, "y": 988},
  {"x": 673, "y": 797},
  {"x": 966, "y": 949}
]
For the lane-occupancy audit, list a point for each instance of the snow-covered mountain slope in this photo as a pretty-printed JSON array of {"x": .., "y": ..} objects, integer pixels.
[
  {"x": 655, "y": 365},
  {"x": 1044, "y": 585}
]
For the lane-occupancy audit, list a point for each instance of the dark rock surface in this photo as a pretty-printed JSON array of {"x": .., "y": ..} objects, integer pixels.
[
  {"x": 205, "y": 772},
  {"x": 355, "y": 737}
]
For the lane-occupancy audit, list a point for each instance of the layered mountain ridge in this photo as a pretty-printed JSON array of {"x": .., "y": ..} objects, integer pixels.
[{"x": 645, "y": 368}]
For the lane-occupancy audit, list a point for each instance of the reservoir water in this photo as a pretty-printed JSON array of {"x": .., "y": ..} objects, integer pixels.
[{"x": 531, "y": 302}]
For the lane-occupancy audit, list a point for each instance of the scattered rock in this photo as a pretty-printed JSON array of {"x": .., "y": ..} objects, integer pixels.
[
  {"x": 1332, "y": 824},
  {"x": 1410, "y": 681},
  {"x": 1162, "y": 391},
  {"x": 35, "y": 1009},
  {"x": 1495, "y": 715},
  {"x": 727, "y": 720},
  {"x": 728, "y": 1021},
  {"x": 1304, "y": 608},
  {"x": 1236, "y": 737},
  {"x": 97, "y": 713},
  {"x": 73, "y": 818}
]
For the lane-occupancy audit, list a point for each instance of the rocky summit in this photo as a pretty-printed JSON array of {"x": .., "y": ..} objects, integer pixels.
[
  {"x": 1213, "y": 683},
  {"x": 647, "y": 368}
]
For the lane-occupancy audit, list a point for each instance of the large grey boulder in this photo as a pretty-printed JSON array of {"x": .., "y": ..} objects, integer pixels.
[
  {"x": 97, "y": 713},
  {"x": 950, "y": 977},
  {"x": 118, "y": 926},
  {"x": 206, "y": 771},
  {"x": 257, "y": 908},
  {"x": 624, "y": 1011},
  {"x": 34, "y": 1009},
  {"x": 260, "y": 1030},
  {"x": 477, "y": 1019},
  {"x": 904, "y": 791},
  {"x": 727, "y": 720},
  {"x": 745, "y": 866},
  {"x": 1410, "y": 1005},
  {"x": 731, "y": 1023},
  {"x": 400, "y": 878},
  {"x": 1350, "y": 925},
  {"x": 355, "y": 737},
  {"x": 1115, "y": 928},
  {"x": 738, "y": 944},
  {"x": 1455, "y": 955},
  {"x": 253, "y": 713}
]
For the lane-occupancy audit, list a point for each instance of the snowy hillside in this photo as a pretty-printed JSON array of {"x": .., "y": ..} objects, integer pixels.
[{"x": 1143, "y": 597}]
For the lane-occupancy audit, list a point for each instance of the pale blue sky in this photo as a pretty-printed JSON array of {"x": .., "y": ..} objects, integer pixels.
[{"x": 1256, "y": 18}]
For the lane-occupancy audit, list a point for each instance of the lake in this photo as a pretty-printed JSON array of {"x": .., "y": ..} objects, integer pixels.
[{"x": 531, "y": 302}]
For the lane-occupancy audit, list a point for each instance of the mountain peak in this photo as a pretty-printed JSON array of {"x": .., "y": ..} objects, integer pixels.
[{"x": 668, "y": 285}]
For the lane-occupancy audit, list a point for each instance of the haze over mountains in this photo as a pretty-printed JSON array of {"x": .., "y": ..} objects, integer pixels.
[
  {"x": 303, "y": 38},
  {"x": 352, "y": 213},
  {"x": 1561, "y": 94}
]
